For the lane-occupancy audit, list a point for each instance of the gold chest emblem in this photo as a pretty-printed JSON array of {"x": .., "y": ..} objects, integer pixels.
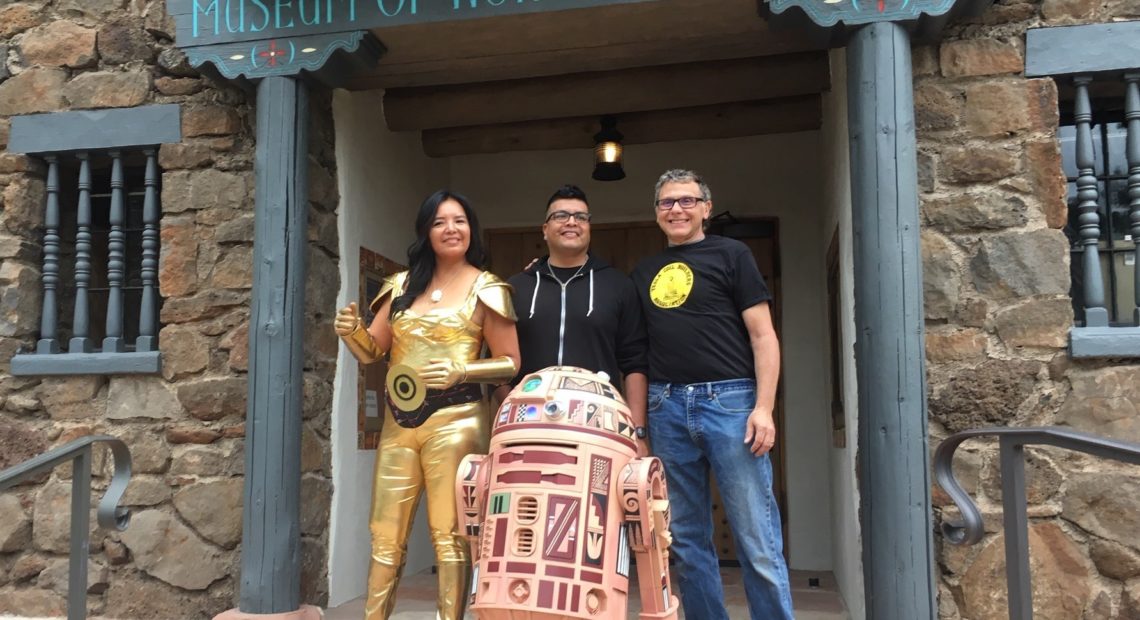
[{"x": 671, "y": 286}]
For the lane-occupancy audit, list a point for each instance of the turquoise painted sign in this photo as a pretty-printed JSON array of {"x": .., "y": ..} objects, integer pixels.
[{"x": 203, "y": 22}]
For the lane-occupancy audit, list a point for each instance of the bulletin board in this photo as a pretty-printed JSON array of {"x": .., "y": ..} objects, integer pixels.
[{"x": 370, "y": 380}]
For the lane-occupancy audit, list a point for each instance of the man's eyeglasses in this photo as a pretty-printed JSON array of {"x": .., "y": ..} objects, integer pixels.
[
  {"x": 562, "y": 217},
  {"x": 686, "y": 202}
]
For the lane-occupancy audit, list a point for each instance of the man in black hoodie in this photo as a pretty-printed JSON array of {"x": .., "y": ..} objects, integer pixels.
[{"x": 576, "y": 310}]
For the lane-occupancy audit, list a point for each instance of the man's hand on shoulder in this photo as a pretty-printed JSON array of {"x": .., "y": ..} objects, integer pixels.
[{"x": 761, "y": 432}]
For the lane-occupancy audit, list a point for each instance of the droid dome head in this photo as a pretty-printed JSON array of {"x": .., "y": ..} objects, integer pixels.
[{"x": 563, "y": 399}]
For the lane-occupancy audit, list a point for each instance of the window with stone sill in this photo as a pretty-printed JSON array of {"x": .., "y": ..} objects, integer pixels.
[{"x": 100, "y": 239}]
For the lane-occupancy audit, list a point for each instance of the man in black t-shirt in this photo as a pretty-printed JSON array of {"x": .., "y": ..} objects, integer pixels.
[
  {"x": 574, "y": 309},
  {"x": 714, "y": 362}
]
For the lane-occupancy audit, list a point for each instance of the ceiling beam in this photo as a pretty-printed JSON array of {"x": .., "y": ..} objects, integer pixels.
[
  {"x": 495, "y": 67},
  {"x": 609, "y": 92},
  {"x": 729, "y": 120},
  {"x": 617, "y": 36}
]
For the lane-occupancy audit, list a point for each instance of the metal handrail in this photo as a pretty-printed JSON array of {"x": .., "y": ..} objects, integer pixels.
[
  {"x": 109, "y": 514},
  {"x": 1014, "y": 510}
]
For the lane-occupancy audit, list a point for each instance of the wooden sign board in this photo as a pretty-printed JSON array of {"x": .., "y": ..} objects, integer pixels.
[{"x": 206, "y": 22}]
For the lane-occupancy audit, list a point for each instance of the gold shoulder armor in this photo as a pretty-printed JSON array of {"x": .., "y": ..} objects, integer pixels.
[
  {"x": 394, "y": 282},
  {"x": 496, "y": 295}
]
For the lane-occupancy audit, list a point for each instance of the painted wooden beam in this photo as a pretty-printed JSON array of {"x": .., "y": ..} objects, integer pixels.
[
  {"x": 1089, "y": 342},
  {"x": 317, "y": 54},
  {"x": 83, "y": 130},
  {"x": 60, "y": 364},
  {"x": 271, "y": 535},
  {"x": 612, "y": 92},
  {"x": 731, "y": 120},
  {"x": 1092, "y": 48},
  {"x": 894, "y": 461}
]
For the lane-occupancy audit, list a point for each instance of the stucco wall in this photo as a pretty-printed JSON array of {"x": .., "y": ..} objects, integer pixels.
[{"x": 846, "y": 537}]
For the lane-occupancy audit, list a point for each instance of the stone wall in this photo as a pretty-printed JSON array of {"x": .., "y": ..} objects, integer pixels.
[
  {"x": 996, "y": 269},
  {"x": 180, "y": 556}
]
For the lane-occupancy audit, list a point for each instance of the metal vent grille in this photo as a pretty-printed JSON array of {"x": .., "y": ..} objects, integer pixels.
[
  {"x": 527, "y": 511},
  {"x": 524, "y": 541}
]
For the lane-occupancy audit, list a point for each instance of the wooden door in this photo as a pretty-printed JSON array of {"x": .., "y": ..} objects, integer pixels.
[
  {"x": 620, "y": 245},
  {"x": 761, "y": 235},
  {"x": 623, "y": 245}
]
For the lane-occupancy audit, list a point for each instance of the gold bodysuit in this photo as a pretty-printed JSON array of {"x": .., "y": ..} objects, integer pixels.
[{"x": 427, "y": 456}]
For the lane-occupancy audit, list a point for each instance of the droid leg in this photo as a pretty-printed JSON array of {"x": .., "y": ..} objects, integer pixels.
[
  {"x": 396, "y": 488},
  {"x": 471, "y": 484},
  {"x": 646, "y": 503}
]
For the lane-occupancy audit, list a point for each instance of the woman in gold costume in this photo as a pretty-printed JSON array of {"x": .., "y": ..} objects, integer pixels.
[{"x": 433, "y": 321}]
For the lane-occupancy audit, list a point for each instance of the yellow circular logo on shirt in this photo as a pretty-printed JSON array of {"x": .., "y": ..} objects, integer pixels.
[{"x": 671, "y": 286}]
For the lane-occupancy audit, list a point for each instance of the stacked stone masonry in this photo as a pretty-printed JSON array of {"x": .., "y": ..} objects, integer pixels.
[
  {"x": 996, "y": 284},
  {"x": 180, "y": 556},
  {"x": 996, "y": 279}
]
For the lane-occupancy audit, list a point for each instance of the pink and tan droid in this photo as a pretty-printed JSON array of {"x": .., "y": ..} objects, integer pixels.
[{"x": 555, "y": 510}]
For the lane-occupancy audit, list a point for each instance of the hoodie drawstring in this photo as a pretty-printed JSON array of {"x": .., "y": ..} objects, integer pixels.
[
  {"x": 591, "y": 310},
  {"x": 537, "y": 281}
]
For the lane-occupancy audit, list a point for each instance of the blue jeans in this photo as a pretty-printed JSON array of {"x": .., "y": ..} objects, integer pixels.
[{"x": 694, "y": 428}]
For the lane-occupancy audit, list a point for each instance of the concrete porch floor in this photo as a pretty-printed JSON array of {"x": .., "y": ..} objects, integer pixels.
[{"x": 416, "y": 598}]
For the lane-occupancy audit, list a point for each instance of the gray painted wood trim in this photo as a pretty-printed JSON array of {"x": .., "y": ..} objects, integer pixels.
[
  {"x": 1091, "y": 48},
  {"x": 1118, "y": 342},
  {"x": 290, "y": 56},
  {"x": 893, "y": 457},
  {"x": 49, "y": 315},
  {"x": 271, "y": 535},
  {"x": 57, "y": 364},
  {"x": 96, "y": 129}
]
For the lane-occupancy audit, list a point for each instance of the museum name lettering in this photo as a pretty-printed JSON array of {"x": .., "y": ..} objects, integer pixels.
[{"x": 220, "y": 17}]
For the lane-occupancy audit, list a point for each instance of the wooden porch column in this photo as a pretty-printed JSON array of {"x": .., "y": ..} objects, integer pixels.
[
  {"x": 893, "y": 459},
  {"x": 271, "y": 535}
]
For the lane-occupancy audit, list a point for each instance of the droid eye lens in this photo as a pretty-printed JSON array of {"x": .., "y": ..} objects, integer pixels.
[{"x": 553, "y": 409}]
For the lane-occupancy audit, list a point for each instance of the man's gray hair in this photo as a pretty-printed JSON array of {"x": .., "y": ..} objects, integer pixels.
[{"x": 678, "y": 175}]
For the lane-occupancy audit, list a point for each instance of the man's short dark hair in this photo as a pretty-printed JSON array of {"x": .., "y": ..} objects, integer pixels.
[{"x": 567, "y": 192}]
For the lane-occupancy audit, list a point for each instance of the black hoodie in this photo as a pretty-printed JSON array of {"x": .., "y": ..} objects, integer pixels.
[{"x": 600, "y": 328}]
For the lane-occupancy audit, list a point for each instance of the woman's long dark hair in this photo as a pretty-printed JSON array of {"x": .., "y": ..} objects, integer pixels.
[{"x": 421, "y": 256}]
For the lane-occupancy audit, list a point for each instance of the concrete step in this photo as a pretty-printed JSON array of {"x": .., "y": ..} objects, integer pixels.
[{"x": 415, "y": 599}]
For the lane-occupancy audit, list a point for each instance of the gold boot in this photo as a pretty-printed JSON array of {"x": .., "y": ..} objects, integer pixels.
[
  {"x": 454, "y": 578},
  {"x": 382, "y": 582}
]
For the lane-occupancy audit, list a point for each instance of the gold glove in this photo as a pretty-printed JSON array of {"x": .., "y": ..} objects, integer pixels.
[
  {"x": 359, "y": 342},
  {"x": 441, "y": 373}
]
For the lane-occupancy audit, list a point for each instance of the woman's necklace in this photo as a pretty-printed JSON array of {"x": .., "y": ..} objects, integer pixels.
[{"x": 437, "y": 294}]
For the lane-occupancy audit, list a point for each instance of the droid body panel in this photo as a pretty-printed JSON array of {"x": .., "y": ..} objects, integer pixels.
[{"x": 555, "y": 510}]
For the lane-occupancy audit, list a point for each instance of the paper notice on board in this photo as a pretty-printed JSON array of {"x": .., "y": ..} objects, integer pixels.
[{"x": 371, "y": 404}]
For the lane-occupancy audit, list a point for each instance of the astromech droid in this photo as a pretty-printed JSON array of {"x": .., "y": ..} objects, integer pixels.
[{"x": 555, "y": 510}]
